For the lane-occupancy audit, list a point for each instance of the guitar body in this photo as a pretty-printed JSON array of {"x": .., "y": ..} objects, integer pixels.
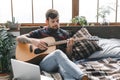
[{"x": 25, "y": 52}]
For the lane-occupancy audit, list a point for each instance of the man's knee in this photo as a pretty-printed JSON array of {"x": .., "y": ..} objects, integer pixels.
[{"x": 58, "y": 52}]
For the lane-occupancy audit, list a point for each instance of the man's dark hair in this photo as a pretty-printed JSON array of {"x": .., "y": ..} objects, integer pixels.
[{"x": 52, "y": 14}]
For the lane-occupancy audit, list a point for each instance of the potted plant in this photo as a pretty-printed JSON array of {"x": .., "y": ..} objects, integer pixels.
[
  {"x": 103, "y": 13},
  {"x": 12, "y": 25},
  {"x": 7, "y": 42},
  {"x": 79, "y": 20}
]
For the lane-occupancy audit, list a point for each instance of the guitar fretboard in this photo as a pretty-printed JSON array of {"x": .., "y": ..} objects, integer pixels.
[
  {"x": 63, "y": 42},
  {"x": 92, "y": 38}
]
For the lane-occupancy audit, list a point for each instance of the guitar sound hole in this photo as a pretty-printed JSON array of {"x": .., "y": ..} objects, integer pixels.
[{"x": 38, "y": 51}]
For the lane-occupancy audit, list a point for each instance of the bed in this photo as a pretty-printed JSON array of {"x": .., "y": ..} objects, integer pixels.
[
  {"x": 98, "y": 66},
  {"x": 104, "y": 64}
]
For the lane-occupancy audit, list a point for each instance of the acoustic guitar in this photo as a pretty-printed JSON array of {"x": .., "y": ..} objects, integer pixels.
[{"x": 30, "y": 53}]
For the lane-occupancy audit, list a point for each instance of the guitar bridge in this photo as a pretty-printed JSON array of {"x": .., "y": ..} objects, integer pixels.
[{"x": 31, "y": 48}]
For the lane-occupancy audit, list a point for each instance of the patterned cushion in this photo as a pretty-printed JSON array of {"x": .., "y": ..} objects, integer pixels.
[{"x": 84, "y": 48}]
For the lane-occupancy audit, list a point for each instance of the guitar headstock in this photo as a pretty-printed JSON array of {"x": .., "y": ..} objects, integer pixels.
[{"x": 93, "y": 38}]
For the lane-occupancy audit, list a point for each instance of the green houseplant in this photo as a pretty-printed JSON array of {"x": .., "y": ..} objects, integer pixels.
[
  {"x": 7, "y": 42},
  {"x": 79, "y": 20}
]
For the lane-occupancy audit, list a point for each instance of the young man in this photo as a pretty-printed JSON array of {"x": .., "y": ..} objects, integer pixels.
[{"x": 57, "y": 60}]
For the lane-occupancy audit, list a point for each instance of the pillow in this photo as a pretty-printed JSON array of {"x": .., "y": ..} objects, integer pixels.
[
  {"x": 84, "y": 48},
  {"x": 111, "y": 48}
]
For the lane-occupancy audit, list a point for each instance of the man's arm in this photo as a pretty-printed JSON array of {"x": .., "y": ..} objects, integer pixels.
[
  {"x": 23, "y": 39},
  {"x": 37, "y": 42}
]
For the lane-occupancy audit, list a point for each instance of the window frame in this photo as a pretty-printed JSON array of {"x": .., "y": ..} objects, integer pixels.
[{"x": 75, "y": 12}]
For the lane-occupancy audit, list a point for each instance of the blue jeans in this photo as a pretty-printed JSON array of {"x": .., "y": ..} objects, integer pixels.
[{"x": 57, "y": 60}]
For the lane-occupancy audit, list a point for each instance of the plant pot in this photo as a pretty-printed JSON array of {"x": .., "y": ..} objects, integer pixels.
[
  {"x": 105, "y": 23},
  {"x": 4, "y": 65},
  {"x": 14, "y": 27},
  {"x": 4, "y": 76}
]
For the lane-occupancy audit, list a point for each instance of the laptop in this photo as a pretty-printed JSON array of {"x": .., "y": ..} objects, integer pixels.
[{"x": 26, "y": 71}]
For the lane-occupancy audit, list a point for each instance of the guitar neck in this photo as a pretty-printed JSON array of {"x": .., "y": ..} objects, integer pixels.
[{"x": 64, "y": 41}]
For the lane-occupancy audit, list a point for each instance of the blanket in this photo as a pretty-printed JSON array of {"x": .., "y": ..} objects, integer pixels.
[
  {"x": 106, "y": 66},
  {"x": 104, "y": 69}
]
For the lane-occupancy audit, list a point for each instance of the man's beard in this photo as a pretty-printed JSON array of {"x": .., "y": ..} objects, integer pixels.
[{"x": 53, "y": 30}]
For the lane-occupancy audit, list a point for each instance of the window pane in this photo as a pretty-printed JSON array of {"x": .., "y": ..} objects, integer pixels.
[
  {"x": 88, "y": 8},
  {"x": 64, "y": 8},
  {"x": 40, "y": 8},
  {"x": 22, "y": 11},
  {"x": 5, "y": 11},
  {"x": 110, "y": 5},
  {"x": 118, "y": 15}
]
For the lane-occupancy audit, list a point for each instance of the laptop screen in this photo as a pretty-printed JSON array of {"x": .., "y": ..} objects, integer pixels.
[{"x": 26, "y": 71}]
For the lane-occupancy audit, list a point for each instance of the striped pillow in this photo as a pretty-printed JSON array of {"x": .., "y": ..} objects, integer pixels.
[{"x": 84, "y": 48}]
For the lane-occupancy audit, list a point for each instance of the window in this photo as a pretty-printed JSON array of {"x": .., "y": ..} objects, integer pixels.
[
  {"x": 64, "y": 8},
  {"x": 5, "y": 11},
  {"x": 110, "y": 5},
  {"x": 33, "y": 11},
  {"x": 118, "y": 15},
  {"x": 22, "y": 11},
  {"x": 88, "y": 8},
  {"x": 40, "y": 7}
]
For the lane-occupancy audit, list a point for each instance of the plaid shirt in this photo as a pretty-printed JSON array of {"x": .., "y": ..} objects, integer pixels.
[{"x": 59, "y": 34}]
